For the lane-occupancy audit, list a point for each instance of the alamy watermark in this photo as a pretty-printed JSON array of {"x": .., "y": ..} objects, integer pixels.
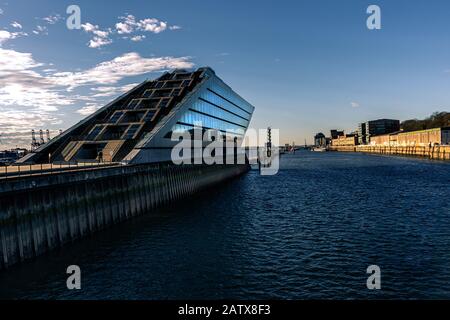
[
  {"x": 74, "y": 280},
  {"x": 374, "y": 20},
  {"x": 74, "y": 19},
  {"x": 374, "y": 280},
  {"x": 211, "y": 147}
]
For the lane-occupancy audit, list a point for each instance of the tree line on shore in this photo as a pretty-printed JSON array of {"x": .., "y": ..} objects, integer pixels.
[{"x": 436, "y": 120}]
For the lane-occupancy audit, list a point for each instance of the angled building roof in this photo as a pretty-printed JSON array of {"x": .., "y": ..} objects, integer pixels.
[{"x": 136, "y": 127}]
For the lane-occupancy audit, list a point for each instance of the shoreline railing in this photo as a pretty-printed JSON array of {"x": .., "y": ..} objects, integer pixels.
[{"x": 21, "y": 170}]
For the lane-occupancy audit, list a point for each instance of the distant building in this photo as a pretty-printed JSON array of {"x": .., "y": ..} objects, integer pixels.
[
  {"x": 10, "y": 156},
  {"x": 345, "y": 140},
  {"x": 375, "y": 128},
  {"x": 429, "y": 137},
  {"x": 320, "y": 140},
  {"x": 362, "y": 133},
  {"x": 336, "y": 133}
]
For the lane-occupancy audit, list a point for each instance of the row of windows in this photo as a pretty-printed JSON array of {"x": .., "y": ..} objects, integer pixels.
[
  {"x": 231, "y": 96},
  {"x": 217, "y": 108},
  {"x": 187, "y": 128},
  {"x": 215, "y": 99},
  {"x": 214, "y": 111},
  {"x": 132, "y": 131},
  {"x": 192, "y": 117}
]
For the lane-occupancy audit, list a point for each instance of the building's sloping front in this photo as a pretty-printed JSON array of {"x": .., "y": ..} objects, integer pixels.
[{"x": 137, "y": 127}]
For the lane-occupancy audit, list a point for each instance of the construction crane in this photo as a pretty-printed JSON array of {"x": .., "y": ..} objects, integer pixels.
[
  {"x": 34, "y": 143},
  {"x": 41, "y": 137},
  {"x": 47, "y": 133}
]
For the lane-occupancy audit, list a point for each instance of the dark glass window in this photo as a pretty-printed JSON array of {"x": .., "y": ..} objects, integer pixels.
[
  {"x": 131, "y": 131},
  {"x": 149, "y": 116},
  {"x": 115, "y": 117},
  {"x": 94, "y": 133}
]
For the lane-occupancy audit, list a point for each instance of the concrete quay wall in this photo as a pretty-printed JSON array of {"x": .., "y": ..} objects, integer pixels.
[
  {"x": 38, "y": 214},
  {"x": 432, "y": 152}
]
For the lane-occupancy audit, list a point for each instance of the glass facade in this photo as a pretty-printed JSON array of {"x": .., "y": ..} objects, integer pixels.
[{"x": 219, "y": 108}]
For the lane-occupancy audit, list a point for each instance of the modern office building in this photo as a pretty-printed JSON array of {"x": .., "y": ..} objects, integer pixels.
[
  {"x": 376, "y": 127},
  {"x": 362, "y": 133},
  {"x": 137, "y": 127}
]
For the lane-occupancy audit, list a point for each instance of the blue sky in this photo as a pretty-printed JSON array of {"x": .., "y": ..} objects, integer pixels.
[{"x": 306, "y": 66}]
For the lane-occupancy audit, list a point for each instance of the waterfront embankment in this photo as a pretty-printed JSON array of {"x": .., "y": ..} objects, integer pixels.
[
  {"x": 40, "y": 213},
  {"x": 436, "y": 152}
]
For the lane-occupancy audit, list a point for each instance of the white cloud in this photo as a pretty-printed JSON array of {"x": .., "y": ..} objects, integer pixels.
[
  {"x": 17, "y": 25},
  {"x": 52, "y": 19},
  {"x": 1, "y": 11},
  {"x": 6, "y": 35},
  {"x": 101, "y": 37},
  {"x": 88, "y": 109},
  {"x": 18, "y": 68},
  {"x": 37, "y": 97},
  {"x": 98, "y": 42},
  {"x": 21, "y": 85},
  {"x": 123, "y": 28},
  {"x": 41, "y": 30},
  {"x": 129, "y": 24},
  {"x": 152, "y": 25},
  {"x": 16, "y": 125},
  {"x": 31, "y": 95},
  {"x": 90, "y": 28},
  {"x": 110, "y": 72},
  {"x": 11, "y": 60},
  {"x": 354, "y": 104},
  {"x": 109, "y": 91},
  {"x": 138, "y": 38}
]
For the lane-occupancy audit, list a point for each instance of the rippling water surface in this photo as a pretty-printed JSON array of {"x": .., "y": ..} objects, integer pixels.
[{"x": 309, "y": 232}]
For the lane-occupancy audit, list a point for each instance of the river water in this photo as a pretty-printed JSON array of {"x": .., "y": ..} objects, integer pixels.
[{"x": 309, "y": 232}]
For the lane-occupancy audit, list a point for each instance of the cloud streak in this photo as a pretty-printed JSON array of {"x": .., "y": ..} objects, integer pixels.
[
  {"x": 31, "y": 94},
  {"x": 126, "y": 27},
  {"x": 129, "y": 24},
  {"x": 100, "y": 37},
  {"x": 6, "y": 36},
  {"x": 126, "y": 65}
]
